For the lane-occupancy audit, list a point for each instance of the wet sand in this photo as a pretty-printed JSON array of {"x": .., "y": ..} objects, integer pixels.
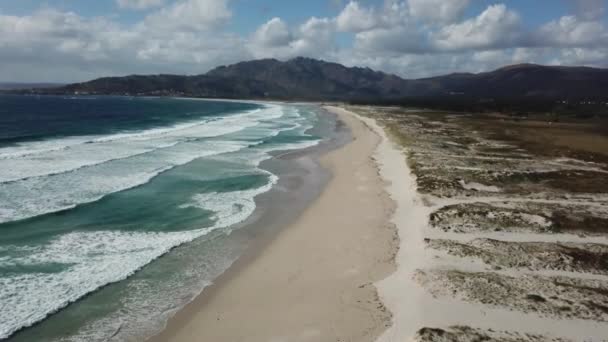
[{"x": 313, "y": 280}]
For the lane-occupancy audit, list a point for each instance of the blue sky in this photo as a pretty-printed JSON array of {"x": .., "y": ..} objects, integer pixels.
[
  {"x": 248, "y": 14},
  {"x": 251, "y": 13},
  {"x": 73, "y": 40}
]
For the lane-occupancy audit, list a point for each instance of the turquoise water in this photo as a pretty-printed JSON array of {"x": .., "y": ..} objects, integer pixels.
[{"x": 85, "y": 206}]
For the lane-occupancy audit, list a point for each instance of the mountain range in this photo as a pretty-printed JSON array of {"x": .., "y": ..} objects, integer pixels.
[{"x": 310, "y": 79}]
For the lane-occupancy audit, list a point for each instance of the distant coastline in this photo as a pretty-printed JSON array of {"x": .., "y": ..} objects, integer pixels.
[{"x": 523, "y": 87}]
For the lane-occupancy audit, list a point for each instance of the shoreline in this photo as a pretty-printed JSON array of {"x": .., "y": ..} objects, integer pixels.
[
  {"x": 313, "y": 279},
  {"x": 301, "y": 180},
  {"x": 399, "y": 291}
]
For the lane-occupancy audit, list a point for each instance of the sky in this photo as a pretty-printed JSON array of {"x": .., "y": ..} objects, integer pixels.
[{"x": 78, "y": 40}]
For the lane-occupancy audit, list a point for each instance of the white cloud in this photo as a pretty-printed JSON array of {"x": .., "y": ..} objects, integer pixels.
[
  {"x": 411, "y": 65},
  {"x": 314, "y": 38},
  {"x": 396, "y": 40},
  {"x": 388, "y": 29},
  {"x": 51, "y": 31},
  {"x": 190, "y": 15},
  {"x": 572, "y": 31},
  {"x": 438, "y": 10},
  {"x": 526, "y": 55},
  {"x": 321, "y": 29},
  {"x": 272, "y": 33},
  {"x": 354, "y": 18},
  {"x": 583, "y": 56},
  {"x": 63, "y": 46},
  {"x": 495, "y": 27},
  {"x": 409, "y": 37},
  {"x": 139, "y": 4},
  {"x": 493, "y": 56}
]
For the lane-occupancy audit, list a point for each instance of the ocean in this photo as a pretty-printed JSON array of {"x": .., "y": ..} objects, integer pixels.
[{"x": 96, "y": 193}]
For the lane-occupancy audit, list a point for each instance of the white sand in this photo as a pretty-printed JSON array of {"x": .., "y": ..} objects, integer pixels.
[
  {"x": 399, "y": 292},
  {"x": 314, "y": 280},
  {"x": 412, "y": 306}
]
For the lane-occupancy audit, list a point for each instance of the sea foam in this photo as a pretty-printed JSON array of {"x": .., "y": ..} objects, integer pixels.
[
  {"x": 84, "y": 261},
  {"x": 36, "y": 159},
  {"x": 53, "y": 183}
]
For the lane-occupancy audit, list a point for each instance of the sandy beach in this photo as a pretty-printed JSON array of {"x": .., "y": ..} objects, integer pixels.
[
  {"x": 365, "y": 262},
  {"x": 315, "y": 280},
  {"x": 482, "y": 257}
]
